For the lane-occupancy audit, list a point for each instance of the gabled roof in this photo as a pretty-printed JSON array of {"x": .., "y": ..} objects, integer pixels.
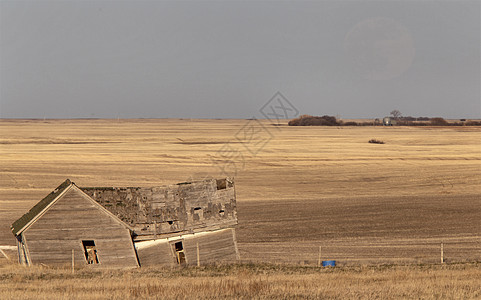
[{"x": 39, "y": 207}]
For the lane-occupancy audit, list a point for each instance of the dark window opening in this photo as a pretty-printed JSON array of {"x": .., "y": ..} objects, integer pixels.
[
  {"x": 179, "y": 246},
  {"x": 170, "y": 222},
  {"x": 221, "y": 184},
  {"x": 179, "y": 252},
  {"x": 90, "y": 252},
  {"x": 198, "y": 214}
]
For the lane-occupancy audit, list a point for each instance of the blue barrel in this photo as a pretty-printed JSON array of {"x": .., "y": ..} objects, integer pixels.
[{"x": 328, "y": 263}]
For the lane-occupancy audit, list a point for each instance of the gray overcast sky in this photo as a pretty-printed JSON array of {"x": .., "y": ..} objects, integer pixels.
[{"x": 128, "y": 59}]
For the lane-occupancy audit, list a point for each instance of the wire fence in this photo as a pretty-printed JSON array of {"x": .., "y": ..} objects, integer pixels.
[
  {"x": 449, "y": 250},
  {"x": 311, "y": 253}
]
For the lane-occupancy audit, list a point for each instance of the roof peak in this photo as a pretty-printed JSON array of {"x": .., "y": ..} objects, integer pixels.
[{"x": 20, "y": 224}]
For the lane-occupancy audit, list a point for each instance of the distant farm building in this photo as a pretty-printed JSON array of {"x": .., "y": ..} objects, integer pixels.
[
  {"x": 388, "y": 121},
  {"x": 185, "y": 223}
]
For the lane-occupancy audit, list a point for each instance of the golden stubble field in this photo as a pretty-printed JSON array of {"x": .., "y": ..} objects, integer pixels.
[
  {"x": 298, "y": 188},
  {"x": 246, "y": 281}
]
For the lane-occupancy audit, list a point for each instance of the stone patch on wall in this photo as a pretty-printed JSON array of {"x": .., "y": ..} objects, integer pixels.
[{"x": 183, "y": 207}]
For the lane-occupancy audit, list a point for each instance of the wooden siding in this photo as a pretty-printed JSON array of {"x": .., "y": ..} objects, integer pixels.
[
  {"x": 157, "y": 254},
  {"x": 74, "y": 218},
  {"x": 214, "y": 247}
]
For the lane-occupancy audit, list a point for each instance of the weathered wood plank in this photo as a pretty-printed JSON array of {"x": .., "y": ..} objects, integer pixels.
[
  {"x": 214, "y": 247},
  {"x": 223, "y": 252},
  {"x": 159, "y": 254},
  {"x": 52, "y": 237}
]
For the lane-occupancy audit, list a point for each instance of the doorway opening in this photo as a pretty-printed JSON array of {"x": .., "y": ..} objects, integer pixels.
[
  {"x": 90, "y": 252},
  {"x": 178, "y": 248}
]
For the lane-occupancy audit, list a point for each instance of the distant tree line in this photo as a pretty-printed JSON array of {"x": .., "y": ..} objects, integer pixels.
[{"x": 308, "y": 120}]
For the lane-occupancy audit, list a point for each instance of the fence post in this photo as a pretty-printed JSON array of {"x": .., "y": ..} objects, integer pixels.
[
  {"x": 198, "y": 255},
  {"x": 442, "y": 252},
  {"x": 319, "y": 257}
]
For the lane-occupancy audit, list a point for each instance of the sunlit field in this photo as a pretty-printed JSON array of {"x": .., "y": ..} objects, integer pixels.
[{"x": 298, "y": 188}]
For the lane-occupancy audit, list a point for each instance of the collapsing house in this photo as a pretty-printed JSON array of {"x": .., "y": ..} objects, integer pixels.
[{"x": 185, "y": 223}]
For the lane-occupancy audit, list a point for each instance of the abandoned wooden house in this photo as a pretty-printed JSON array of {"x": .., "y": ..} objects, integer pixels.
[{"x": 185, "y": 223}]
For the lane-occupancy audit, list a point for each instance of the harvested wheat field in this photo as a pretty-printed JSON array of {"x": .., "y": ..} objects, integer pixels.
[{"x": 297, "y": 188}]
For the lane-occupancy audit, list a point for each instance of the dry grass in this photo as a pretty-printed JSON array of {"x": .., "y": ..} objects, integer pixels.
[{"x": 245, "y": 281}]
